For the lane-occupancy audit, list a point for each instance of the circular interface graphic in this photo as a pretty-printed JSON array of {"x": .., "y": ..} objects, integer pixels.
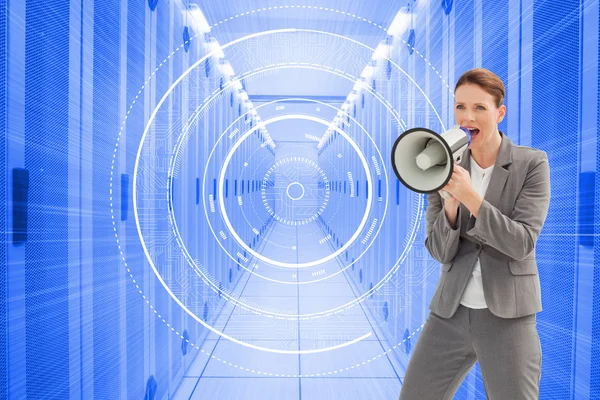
[
  {"x": 272, "y": 215},
  {"x": 286, "y": 196},
  {"x": 232, "y": 191},
  {"x": 295, "y": 191}
]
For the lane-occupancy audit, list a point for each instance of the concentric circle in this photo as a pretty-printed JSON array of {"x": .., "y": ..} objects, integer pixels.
[
  {"x": 288, "y": 192},
  {"x": 259, "y": 256},
  {"x": 220, "y": 183},
  {"x": 295, "y": 191}
]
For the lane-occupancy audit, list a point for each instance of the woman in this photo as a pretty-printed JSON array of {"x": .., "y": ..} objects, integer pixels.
[{"x": 484, "y": 235}]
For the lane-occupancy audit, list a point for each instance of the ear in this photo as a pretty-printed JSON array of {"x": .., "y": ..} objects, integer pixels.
[{"x": 501, "y": 113}]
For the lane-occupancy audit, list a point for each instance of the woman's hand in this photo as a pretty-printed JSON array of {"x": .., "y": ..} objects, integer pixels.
[
  {"x": 459, "y": 185},
  {"x": 461, "y": 188}
]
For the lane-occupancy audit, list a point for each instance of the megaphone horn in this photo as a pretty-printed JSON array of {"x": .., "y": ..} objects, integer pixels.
[{"x": 424, "y": 161}]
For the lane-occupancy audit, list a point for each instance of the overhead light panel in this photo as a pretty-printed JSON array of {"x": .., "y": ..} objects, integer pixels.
[
  {"x": 381, "y": 51},
  {"x": 400, "y": 23},
  {"x": 226, "y": 67},
  {"x": 215, "y": 47},
  {"x": 369, "y": 70},
  {"x": 237, "y": 85},
  {"x": 196, "y": 19}
]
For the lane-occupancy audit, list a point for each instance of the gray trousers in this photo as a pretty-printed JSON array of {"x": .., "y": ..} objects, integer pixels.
[{"x": 508, "y": 351}]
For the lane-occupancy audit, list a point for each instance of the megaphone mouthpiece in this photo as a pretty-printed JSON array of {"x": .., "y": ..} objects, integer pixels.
[{"x": 432, "y": 155}]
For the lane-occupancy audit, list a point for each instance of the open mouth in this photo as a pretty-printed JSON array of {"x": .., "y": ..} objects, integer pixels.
[{"x": 474, "y": 131}]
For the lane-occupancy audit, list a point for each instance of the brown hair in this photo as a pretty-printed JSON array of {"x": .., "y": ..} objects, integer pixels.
[{"x": 486, "y": 80}]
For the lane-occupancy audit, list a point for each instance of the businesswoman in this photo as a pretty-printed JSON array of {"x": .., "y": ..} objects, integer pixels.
[{"x": 484, "y": 235}]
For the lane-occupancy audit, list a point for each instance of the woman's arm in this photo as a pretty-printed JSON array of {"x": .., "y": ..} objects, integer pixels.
[
  {"x": 442, "y": 239},
  {"x": 516, "y": 235}
]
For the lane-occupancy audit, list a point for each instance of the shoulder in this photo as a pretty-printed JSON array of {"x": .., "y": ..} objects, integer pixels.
[
  {"x": 527, "y": 157},
  {"x": 530, "y": 165}
]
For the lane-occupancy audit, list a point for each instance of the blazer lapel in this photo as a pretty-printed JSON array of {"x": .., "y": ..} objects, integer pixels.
[
  {"x": 497, "y": 180},
  {"x": 465, "y": 162},
  {"x": 499, "y": 174}
]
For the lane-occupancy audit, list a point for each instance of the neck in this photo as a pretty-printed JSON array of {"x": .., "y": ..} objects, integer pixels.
[{"x": 486, "y": 155}]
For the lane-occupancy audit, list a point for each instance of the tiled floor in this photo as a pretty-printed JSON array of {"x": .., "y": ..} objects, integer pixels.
[{"x": 226, "y": 370}]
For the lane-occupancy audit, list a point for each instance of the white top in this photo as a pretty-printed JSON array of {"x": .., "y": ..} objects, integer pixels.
[{"x": 473, "y": 296}]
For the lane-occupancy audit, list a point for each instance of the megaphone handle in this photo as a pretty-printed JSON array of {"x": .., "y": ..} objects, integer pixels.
[{"x": 445, "y": 194}]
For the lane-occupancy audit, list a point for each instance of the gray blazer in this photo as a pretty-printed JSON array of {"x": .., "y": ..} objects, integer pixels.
[{"x": 504, "y": 235}]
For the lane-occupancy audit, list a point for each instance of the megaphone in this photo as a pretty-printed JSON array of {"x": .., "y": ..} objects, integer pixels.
[{"x": 424, "y": 161}]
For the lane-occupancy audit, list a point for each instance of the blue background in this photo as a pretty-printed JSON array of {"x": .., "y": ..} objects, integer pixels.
[{"x": 83, "y": 314}]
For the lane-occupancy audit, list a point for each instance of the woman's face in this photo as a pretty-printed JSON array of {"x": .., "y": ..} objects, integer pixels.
[{"x": 474, "y": 108}]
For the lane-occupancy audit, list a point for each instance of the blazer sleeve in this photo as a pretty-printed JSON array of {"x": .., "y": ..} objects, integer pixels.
[
  {"x": 441, "y": 241},
  {"x": 516, "y": 235}
]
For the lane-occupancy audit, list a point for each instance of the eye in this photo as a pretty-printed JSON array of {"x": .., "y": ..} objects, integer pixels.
[
  {"x": 480, "y": 107},
  {"x": 460, "y": 106}
]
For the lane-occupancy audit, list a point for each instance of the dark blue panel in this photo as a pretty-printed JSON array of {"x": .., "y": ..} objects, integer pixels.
[
  {"x": 207, "y": 67},
  {"x": 151, "y": 388},
  {"x": 46, "y": 158},
  {"x": 410, "y": 42},
  {"x": 186, "y": 43},
  {"x": 185, "y": 342},
  {"x": 172, "y": 181},
  {"x": 447, "y": 6},
  {"x": 124, "y": 196},
  {"x": 587, "y": 193},
  {"x": 407, "y": 344},
  {"x": 152, "y": 4},
  {"x": 20, "y": 183}
]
